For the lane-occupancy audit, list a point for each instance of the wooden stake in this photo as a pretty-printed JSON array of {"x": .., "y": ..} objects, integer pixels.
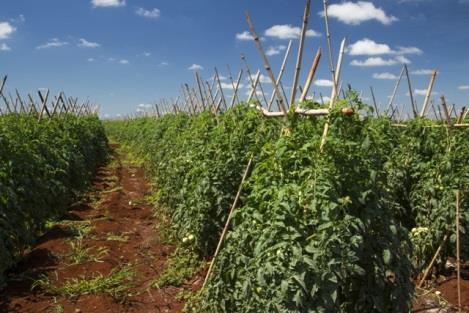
[
  {"x": 445, "y": 111},
  {"x": 374, "y": 101},
  {"x": 220, "y": 88},
  {"x": 256, "y": 81},
  {"x": 228, "y": 220},
  {"x": 299, "y": 60},
  {"x": 44, "y": 104},
  {"x": 391, "y": 101},
  {"x": 253, "y": 86},
  {"x": 311, "y": 73},
  {"x": 411, "y": 94},
  {"x": 267, "y": 66},
  {"x": 197, "y": 78},
  {"x": 429, "y": 92},
  {"x": 234, "y": 97},
  {"x": 427, "y": 271},
  {"x": 280, "y": 75},
  {"x": 334, "y": 92},
  {"x": 461, "y": 116},
  {"x": 458, "y": 259},
  {"x": 329, "y": 44},
  {"x": 235, "y": 91}
]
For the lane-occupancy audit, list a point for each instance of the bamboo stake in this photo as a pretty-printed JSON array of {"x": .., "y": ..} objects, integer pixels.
[
  {"x": 427, "y": 271},
  {"x": 235, "y": 91},
  {"x": 44, "y": 104},
  {"x": 329, "y": 44},
  {"x": 334, "y": 92},
  {"x": 299, "y": 60},
  {"x": 212, "y": 100},
  {"x": 461, "y": 116},
  {"x": 280, "y": 75},
  {"x": 2, "y": 85},
  {"x": 232, "y": 85},
  {"x": 411, "y": 94},
  {"x": 256, "y": 81},
  {"x": 445, "y": 111},
  {"x": 311, "y": 73},
  {"x": 395, "y": 90},
  {"x": 243, "y": 58},
  {"x": 266, "y": 64},
  {"x": 429, "y": 92},
  {"x": 374, "y": 101},
  {"x": 220, "y": 88},
  {"x": 465, "y": 114},
  {"x": 197, "y": 78},
  {"x": 259, "y": 83},
  {"x": 228, "y": 220},
  {"x": 458, "y": 260},
  {"x": 57, "y": 100},
  {"x": 18, "y": 96}
]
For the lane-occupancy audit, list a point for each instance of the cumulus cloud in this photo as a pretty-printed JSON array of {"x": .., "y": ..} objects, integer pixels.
[
  {"x": 6, "y": 29},
  {"x": 422, "y": 72},
  {"x": 244, "y": 36},
  {"x": 195, "y": 67},
  {"x": 4, "y": 47},
  {"x": 108, "y": 3},
  {"x": 374, "y": 61},
  {"x": 356, "y": 13},
  {"x": 385, "y": 76},
  {"x": 123, "y": 62},
  {"x": 53, "y": 43},
  {"x": 423, "y": 92},
  {"x": 91, "y": 59},
  {"x": 153, "y": 13},
  {"x": 464, "y": 87},
  {"x": 274, "y": 50},
  {"x": 83, "y": 43},
  {"x": 288, "y": 32},
  {"x": 323, "y": 83},
  {"x": 367, "y": 46},
  {"x": 402, "y": 59}
]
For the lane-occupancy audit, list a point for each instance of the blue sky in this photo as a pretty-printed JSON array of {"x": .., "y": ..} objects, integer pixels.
[{"x": 122, "y": 54}]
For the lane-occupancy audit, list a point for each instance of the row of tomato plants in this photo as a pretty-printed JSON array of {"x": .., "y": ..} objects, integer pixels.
[
  {"x": 44, "y": 166},
  {"x": 315, "y": 232}
]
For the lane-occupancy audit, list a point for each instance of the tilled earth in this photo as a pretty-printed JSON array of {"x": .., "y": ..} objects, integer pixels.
[{"x": 119, "y": 231}]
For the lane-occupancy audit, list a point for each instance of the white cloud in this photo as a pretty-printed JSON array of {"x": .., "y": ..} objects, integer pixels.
[
  {"x": 195, "y": 67},
  {"x": 53, "y": 43},
  {"x": 402, "y": 59},
  {"x": 229, "y": 86},
  {"x": 88, "y": 44},
  {"x": 275, "y": 50},
  {"x": 386, "y": 76},
  {"x": 423, "y": 92},
  {"x": 464, "y": 87},
  {"x": 6, "y": 30},
  {"x": 323, "y": 83},
  {"x": 369, "y": 47},
  {"x": 288, "y": 32},
  {"x": 4, "y": 47},
  {"x": 144, "y": 105},
  {"x": 374, "y": 61},
  {"x": 356, "y": 13},
  {"x": 264, "y": 79},
  {"x": 163, "y": 64},
  {"x": 124, "y": 62},
  {"x": 153, "y": 13},
  {"x": 409, "y": 50},
  {"x": 91, "y": 60},
  {"x": 244, "y": 36},
  {"x": 108, "y": 3},
  {"x": 422, "y": 72},
  {"x": 146, "y": 54}
]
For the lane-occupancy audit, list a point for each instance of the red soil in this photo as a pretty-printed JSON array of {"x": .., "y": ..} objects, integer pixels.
[{"x": 120, "y": 210}]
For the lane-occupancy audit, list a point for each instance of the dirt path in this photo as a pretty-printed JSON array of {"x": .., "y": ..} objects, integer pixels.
[{"x": 103, "y": 256}]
